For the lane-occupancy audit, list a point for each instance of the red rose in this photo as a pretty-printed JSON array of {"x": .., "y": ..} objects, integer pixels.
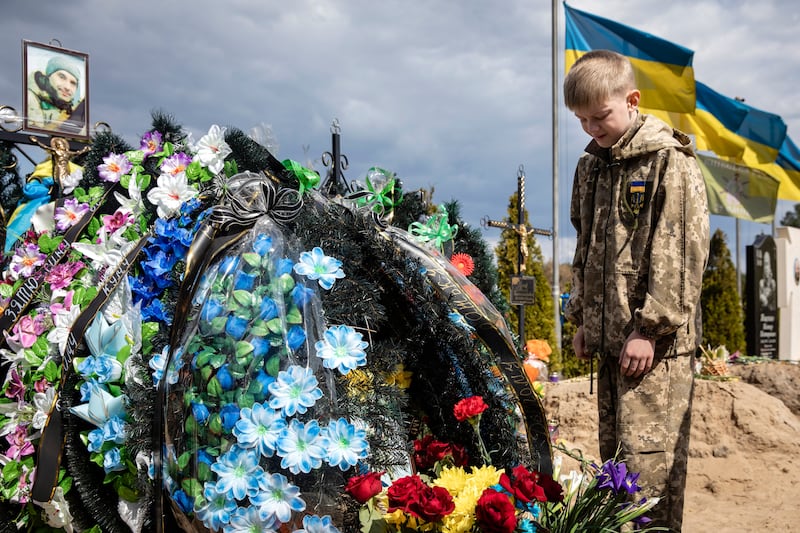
[
  {"x": 434, "y": 503},
  {"x": 531, "y": 485},
  {"x": 364, "y": 487},
  {"x": 469, "y": 408},
  {"x": 427, "y": 451},
  {"x": 404, "y": 492},
  {"x": 495, "y": 513}
]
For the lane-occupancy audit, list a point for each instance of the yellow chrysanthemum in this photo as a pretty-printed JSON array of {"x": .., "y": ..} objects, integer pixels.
[
  {"x": 399, "y": 377},
  {"x": 453, "y": 478},
  {"x": 359, "y": 383},
  {"x": 485, "y": 476}
]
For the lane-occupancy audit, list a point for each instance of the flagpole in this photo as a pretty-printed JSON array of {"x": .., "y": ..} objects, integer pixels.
[{"x": 556, "y": 289}]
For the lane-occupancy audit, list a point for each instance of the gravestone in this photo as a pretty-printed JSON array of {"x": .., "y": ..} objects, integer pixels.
[{"x": 761, "y": 323}]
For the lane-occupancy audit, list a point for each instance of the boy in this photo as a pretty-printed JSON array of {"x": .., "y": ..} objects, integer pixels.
[{"x": 639, "y": 207}]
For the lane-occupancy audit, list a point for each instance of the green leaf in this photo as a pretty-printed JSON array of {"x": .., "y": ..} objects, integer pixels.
[
  {"x": 143, "y": 181},
  {"x": 6, "y": 290},
  {"x": 275, "y": 325},
  {"x": 243, "y": 349},
  {"x": 294, "y": 316},
  {"x": 273, "y": 366},
  {"x": 136, "y": 157},
  {"x": 259, "y": 328},
  {"x": 183, "y": 460},
  {"x": 124, "y": 353},
  {"x": 192, "y": 487},
  {"x": 231, "y": 168},
  {"x": 286, "y": 283},
  {"x": 218, "y": 359},
  {"x": 52, "y": 373},
  {"x": 252, "y": 259},
  {"x": 214, "y": 388},
  {"x": 218, "y": 324},
  {"x": 47, "y": 243},
  {"x": 243, "y": 298}
]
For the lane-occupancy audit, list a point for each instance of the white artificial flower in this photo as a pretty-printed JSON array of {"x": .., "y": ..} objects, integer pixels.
[
  {"x": 71, "y": 180},
  {"x": 57, "y": 513},
  {"x": 170, "y": 194},
  {"x": 43, "y": 401},
  {"x": 212, "y": 149}
]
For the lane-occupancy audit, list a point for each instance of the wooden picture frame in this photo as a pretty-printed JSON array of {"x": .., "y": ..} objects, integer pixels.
[{"x": 55, "y": 90}]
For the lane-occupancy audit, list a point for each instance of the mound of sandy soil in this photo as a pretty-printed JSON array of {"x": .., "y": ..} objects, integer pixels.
[{"x": 744, "y": 463}]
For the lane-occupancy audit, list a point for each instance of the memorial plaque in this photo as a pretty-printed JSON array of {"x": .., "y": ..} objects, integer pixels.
[
  {"x": 761, "y": 322},
  {"x": 523, "y": 289}
]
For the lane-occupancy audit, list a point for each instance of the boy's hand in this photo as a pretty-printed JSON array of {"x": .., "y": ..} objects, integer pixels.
[
  {"x": 579, "y": 346},
  {"x": 636, "y": 356}
]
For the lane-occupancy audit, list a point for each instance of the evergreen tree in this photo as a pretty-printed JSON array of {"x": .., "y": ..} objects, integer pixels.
[
  {"x": 792, "y": 218},
  {"x": 539, "y": 316},
  {"x": 723, "y": 322}
]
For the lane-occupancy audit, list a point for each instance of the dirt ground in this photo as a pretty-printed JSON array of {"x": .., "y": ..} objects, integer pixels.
[{"x": 744, "y": 461}]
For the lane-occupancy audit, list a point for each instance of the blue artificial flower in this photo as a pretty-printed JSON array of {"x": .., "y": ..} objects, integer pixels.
[
  {"x": 114, "y": 430},
  {"x": 89, "y": 387},
  {"x": 159, "y": 268},
  {"x": 204, "y": 457},
  {"x": 104, "y": 339},
  {"x": 96, "y": 440},
  {"x": 142, "y": 289},
  {"x": 263, "y": 379},
  {"x": 301, "y": 446},
  {"x": 105, "y": 368},
  {"x": 236, "y": 327},
  {"x": 244, "y": 281},
  {"x": 294, "y": 391},
  {"x": 200, "y": 412},
  {"x": 155, "y": 311},
  {"x": 261, "y": 346},
  {"x": 160, "y": 360},
  {"x": 316, "y": 524},
  {"x": 239, "y": 474},
  {"x": 341, "y": 348},
  {"x": 229, "y": 415},
  {"x": 316, "y": 265},
  {"x": 301, "y": 295},
  {"x": 262, "y": 245},
  {"x": 184, "y": 502},
  {"x": 249, "y": 520},
  {"x": 295, "y": 337},
  {"x": 228, "y": 265},
  {"x": 259, "y": 427},
  {"x": 283, "y": 266},
  {"x": 112, "y": 461},
  {"x": 212, "y": 308},
  {"x": 278, "y": 498},
  {"x": 268, "y": 309},
  {"x": 216, "y": 512},
  {"x": 346, "y": 445},
  {"x": 226, "y": 380}
]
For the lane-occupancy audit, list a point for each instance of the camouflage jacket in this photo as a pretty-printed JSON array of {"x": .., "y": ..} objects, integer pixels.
[{"x": 641, "y": 216}]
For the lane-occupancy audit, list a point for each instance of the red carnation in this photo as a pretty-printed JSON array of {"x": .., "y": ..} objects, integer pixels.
[
  {"x": 469, "y": 408},
  {"x": 428, "y": 451},
  {"x": 433, "y": 504},
  {"x": 527, "y": 486},
  {"x": 494, "y": 513},
  {"x": 464, "y": 263},
  {"x": 364, "y": 487}
]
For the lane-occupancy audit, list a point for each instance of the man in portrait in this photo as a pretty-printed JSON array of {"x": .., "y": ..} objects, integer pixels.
[{"x": 54, "y": 99}]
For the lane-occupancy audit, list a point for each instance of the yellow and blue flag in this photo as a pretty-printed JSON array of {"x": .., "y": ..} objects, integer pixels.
[{"x": 664, "y": 72}]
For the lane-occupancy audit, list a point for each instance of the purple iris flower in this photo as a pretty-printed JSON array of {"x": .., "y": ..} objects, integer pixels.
[{"x": 615, "y": 476}]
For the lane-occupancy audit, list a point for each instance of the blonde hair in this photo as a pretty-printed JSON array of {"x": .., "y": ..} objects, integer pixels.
[{"x": 595, "y": 76}]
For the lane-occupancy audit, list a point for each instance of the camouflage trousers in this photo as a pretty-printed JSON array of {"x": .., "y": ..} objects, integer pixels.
[{"x": 648, "y": 420}]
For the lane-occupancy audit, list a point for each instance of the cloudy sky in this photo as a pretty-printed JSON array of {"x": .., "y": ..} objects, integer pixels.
[{"x": 453, "y": 95}]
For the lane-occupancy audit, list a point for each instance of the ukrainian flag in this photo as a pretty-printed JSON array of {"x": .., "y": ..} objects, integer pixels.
[
  {"x": 729, "y": 128},
  {"x": 786, "y": 168},
  {"x": 663, "y": 69}
]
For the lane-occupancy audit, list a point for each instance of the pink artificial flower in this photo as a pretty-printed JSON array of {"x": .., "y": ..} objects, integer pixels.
[
  {"x": 25, "y": 260},
  {"x": 70, "y": 213},
  {"x": 23, "y": 489},
  {"x": 118, "y": 220},
  {"x": 175, "y": 164},
  {"x": 16, "y": 388},
  {"x": 151, "y": 143},
  {"x": 20, "y": 446},
  {"x": 27, "y": 330},
  {"x": 66, "y": 304},
  {"x": 62, "y": 274},
  {"x": 41, "y": 385},
  {"x": 114, "y": 167}
]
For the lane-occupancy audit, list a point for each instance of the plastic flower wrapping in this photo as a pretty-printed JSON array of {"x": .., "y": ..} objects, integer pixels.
[{"x": 196, "y": 338}]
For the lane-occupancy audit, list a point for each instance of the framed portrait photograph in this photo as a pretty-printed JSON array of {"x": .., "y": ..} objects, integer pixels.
[{"x": 55, "y": 90}]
